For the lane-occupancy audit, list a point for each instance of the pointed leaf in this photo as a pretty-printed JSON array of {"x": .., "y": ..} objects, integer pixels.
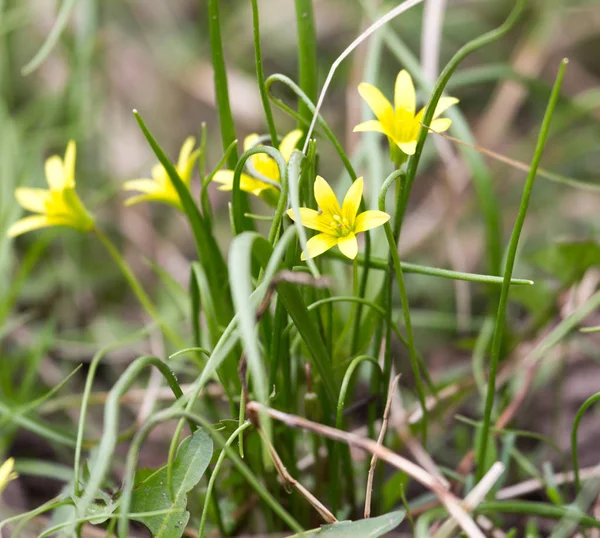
[{"x": 364, "y": 528}]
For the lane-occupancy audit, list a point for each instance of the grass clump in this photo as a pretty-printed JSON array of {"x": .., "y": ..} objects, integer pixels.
[{"x": 259, "y": 355}]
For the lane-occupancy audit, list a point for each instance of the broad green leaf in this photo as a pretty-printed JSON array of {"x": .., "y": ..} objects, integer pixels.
[
  {"x": 364, "y": 528},
  {"x": 567, "y": 261},
  {"x": 152, "y": 494}
]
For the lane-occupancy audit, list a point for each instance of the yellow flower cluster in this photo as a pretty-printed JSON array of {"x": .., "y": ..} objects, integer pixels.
[{"x": 337, "y": 225}]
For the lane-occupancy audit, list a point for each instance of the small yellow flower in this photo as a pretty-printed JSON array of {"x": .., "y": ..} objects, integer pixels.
[
  {"x": 160, "y": 188},
  {"x": 400, "y": 123},
  {"x": 261, "y": 165},
  {"x": 338, "y": 225},
  {"x": 57, "y": 206},
  {"x": 6, "y": 473}
]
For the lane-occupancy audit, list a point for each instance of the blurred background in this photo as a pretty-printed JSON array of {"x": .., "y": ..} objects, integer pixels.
[{"x": 61, "y": 299}]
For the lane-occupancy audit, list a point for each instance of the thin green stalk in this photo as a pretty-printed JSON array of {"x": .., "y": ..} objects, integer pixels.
[
  {"x": 89, "y": 382},
  {"x": 260, "y": 75},
  {"x": 574, "y": 430},
  {"x": 226, "y": 124},
  {"x": 307, "y": 55},
  {"x": 413, "y": 268},
  {"x": 510, "y": 263},
  {"x": 137, "y": 288},
  {"x": 211, "y": 483},
  {"x": 413, "y": 355},
  {"x": 538, "y": 509},
  {"x": 345, "y": 460}
]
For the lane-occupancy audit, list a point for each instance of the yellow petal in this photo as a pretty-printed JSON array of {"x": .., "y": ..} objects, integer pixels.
[
  {"x": 69, "y": 164},
  {"x": 55, "y": 174},
  {"x": 247, "y": 183},
  {"x": 148, "y": 186},
  {"x": 408, "y": 147},
  {"x": 325, "y": 197},
  {"x": 312, "y": 219},
  {"x": 28, "y": 224},
  {"x": 380, "y": 106},
  {"x": 225, "y": 178},
  {"x": 444, "y": 104},
  {"x": 370, "y": 126},
  {"x": 32, "y": 199},
  {"x": 348, "y": 246},
  {"x": 368, "y": 220},
  {"x": 185, "y": 152},
  {"x": 318, "y": 244},
  {"x": 440, "y": 125},
  {"x": 6, "y": 473},
  {"x": 159, "y": 174},
  {"x": 250, "y": 141},
  {"x": 404, "y": 93},
  {"x": 352, "y": 200},
  {"x": 289, "y": 142},
  {"x": 152, "y": 197}
]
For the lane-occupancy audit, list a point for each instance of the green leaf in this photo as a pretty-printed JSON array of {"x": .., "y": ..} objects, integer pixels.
[
  {"x": 151, "y": 494},
  {"x": 96, "y": 511},
  {"x": 365, "y": 528},
  {"x": 568, "y": 260}
]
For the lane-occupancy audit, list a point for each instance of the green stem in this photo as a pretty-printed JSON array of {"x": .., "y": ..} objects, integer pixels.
[
  {"x": 213, "y": 478},
  {"x": 574, "y": 429},
  {"x": 220, "y": 79},
  {"x": 413, "y": 268},
  {"x": 346, "y": 460},
  {"x": 260, "y": 75},
  {"x": 137, "y": 288},
  {"x": 414, "y": 358},
  {"x": 307, "y": 55},
  {"x": 510, "y": 263}
]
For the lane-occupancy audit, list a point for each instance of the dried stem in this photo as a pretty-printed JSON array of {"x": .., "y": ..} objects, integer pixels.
[
  {"x": 452, "y": 503},
  {"x": 384, "y": 424}
]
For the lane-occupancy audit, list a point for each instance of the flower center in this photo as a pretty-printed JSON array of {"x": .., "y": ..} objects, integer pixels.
[{"x": 341, "y": 225}]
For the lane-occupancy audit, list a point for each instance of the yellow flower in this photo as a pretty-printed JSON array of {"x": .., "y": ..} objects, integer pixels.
[
  {"x": 260, "y": 165},
  {"x": 6, "y": 473},
  {"x": 400, "y": 123},
  {"x": 160, "y": 188},
  {"x": 57, "y": 206},
  {"x": 338, "y": 225}
]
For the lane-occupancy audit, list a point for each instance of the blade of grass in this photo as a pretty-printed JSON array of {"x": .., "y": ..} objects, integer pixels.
[
  {"x": 307, "y": 55},
  {"x": 260, "y": 75},
  {"x": 209, "y": 253},
  {"x": 60, "y": 24},
  {"x": 414, "y": 359},
  {"x": 574, "y": 431},
  {"x": 226, "y": 124},
  {"x": 510, "y": 262}
]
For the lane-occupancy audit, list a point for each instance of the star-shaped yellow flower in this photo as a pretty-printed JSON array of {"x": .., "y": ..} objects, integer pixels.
[
  {"x": 338, "y": 225},
  {"x": 57, "y": 206},
  {"x": 6, "y": 473},
  {"x": 260, "y": 165},
  {"x": 401, "y": 123},
  {"x": 160, "y": 188}
]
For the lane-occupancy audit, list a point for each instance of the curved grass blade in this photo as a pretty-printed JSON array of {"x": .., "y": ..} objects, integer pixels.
[
  {"x": 53, "y": 37},
  {"x": 497, "y": 339}
]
